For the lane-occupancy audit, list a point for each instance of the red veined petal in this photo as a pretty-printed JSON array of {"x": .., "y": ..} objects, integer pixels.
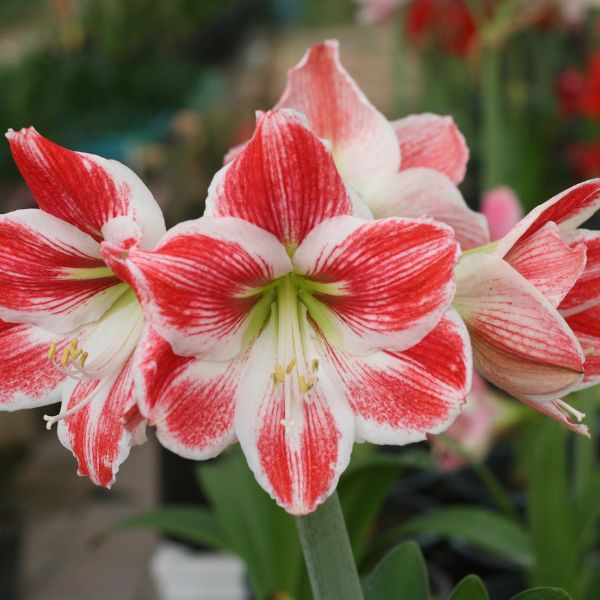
[
  {"x": 586, "y": 292},
  {"x": 83, "y": 189},
  {"x": 51, "y": 274},
  {"x": 27, "y": 377},
  {"x": 520, "y": 342},
  {"x": 296, "y": 456},
  {"x": 586, "y": 326},
  {"x": 199, "y": 287},
  {"x": 401, "y": 397},
  {"x": 545, "y": 260},
  {"x": 391, "y": 280},
  {"x": 285, "y": 181},
  {"x": 422, "y": 192},
  {"x": 568, "y": 210},
  {"x": 432, "y": 141},
  {"x": 190, "y": 402},
  {"x": 96, "y": 434},
  {"x": 362, "y": 139}
]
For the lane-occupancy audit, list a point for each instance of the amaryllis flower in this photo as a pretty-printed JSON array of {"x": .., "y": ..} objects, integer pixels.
[
  {"x": 406, "y": 168},
  {"x": 69, "y": 325},
  {"x": 298, "y": 327},
  {"x": 586, "y": 159},
  {"x": 531, "y": 303},
  {"x": 502, "y": 210},
  {"x": 579, "y": 92}
]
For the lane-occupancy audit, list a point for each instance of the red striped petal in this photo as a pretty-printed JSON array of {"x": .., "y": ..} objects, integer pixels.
[
  {"x": 399, "y": 398},
  {"x": 520, "y": 342},
  {"x": 549, "y": 263},
  {"x": 423, "y": 192},
  {"x": 82, "y": 189},
  {"x": 586, "y": 326},
  {"x": 27, "y": 377},
  {"x": 196, "y": 288},
  {"x": 97, "y": 434},
  {"x": 190, "y": 402},
  {"x": 394, "y": 278},
  {"x": 586, "y": 292},
  {"x": 297, "y": 456},
  {"x": 568, "y": 210},
  {"x": 285, "y": 181},
  {"x": 432, "y": 141},
  {"x": 363, "y": 140},
  {"x": 51, "y": 274}
]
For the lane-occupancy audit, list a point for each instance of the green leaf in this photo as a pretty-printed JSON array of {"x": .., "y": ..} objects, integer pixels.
[
  {"x": 549, "y": 508},
  {"x": 365, "y": 486},
  {"x": 480, "y": 527},
  {"x": 261, "y": 533},
  {"x": 401, "y": 574},
  {"x": 189, "y": 524},
  {"x": 543, "y": 593},
  {"x": 590, "y": 578},
  {"x": 469, "y": 588}
]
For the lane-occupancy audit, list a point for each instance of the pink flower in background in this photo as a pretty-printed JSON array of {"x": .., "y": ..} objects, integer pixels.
[
  {"x": 69, "y": 325},
  {"x": 532, "y": 304},
  {"x": 406, "y": 168},
  {"x": 502, "y": 209},
  {"x": 300, "y": 328}
]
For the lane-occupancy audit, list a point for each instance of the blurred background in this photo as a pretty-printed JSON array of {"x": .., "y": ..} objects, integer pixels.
[{"x": 168, "y": 86}]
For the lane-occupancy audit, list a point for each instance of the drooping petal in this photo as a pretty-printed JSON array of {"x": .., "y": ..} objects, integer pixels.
[
  {"x": 296, "y": 456},
  {"x": 586, "y": 326},
  {"x": 559, "y": 411},
  {"x": 549, "y": 263},
  {"x": 51, "y": 274},
  {"x": 96, "y": 434},
  {"x": 285, "y": 181},
  {"x": 432, "y": 141},
  {"x": 200, "y": 286},
  {"x": 388, "y": 281},
  {"x": 190, "y": 402},
  {"x": 83, "y": 189},
  {"x": 422, "y": 192},
  {"x": 586, "y": 292},
  {"x": 27, "y": 377},
  {"x": 401, "y": 397},
  {"x": 520, "y": 342},
  {"x": 568, "y": 210},
  {"x": 363, "y": 140}
]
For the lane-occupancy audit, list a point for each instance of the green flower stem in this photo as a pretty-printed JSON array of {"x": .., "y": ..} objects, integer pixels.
[
  {"x": 328, "y": 554},
  {"x": 491, "y": 117}
]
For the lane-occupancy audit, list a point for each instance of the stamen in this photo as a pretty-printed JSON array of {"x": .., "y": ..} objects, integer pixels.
[
  {"x": 291, "y": 365},
  {"x": 52, "y": 350},
  {"x": 83, "y": 358},
  {"x": 278, "y": 374},
  {"x": 303, "y": 384},
  {"x": 568, "y": 410},
  {"x": 315, "y": 364},
  {"x": 74, "y": 409},
  {"x": 66, "y": 355}
]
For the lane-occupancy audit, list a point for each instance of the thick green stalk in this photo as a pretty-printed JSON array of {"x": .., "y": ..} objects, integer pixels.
[
  {"x": 491, "y": 120},
  {"x": 328, "y": 554}
]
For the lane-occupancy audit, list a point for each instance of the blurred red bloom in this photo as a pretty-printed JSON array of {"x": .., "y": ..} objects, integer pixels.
[
  {"x": 450, "y": 22},
  {"x": 590, "y": 93},
  {"x": 579, "y": 92},
  {"x": 568, "y": 87},
  {"x": 586, "y": 159}
]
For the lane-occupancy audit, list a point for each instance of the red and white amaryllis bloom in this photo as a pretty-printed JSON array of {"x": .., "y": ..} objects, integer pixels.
[
  {"x": 298, "y": 327},
  {"x": 406, "y": 168},
  {"x": 531, "y": 302},
  {"x": 69, "y": 325}
]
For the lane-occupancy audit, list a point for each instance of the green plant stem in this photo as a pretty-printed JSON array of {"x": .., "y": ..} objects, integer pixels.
[
  {"x": 491, "y": 120},
  {"x": 328, "y": 554}
]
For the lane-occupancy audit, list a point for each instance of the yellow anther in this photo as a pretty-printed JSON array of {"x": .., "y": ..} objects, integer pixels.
[
  {"x": 278, "y": 374},
  {"x": 83, "y": 359},
  {"x": 303, "y": 385},
  {"x": 75, "y": 352},
  {"x": 74, "y": 343},
  {"x": 66, "y": 356},
  {"x": 291, "y": 366},
  {"x": 52, "y": 350},
  {"x": 588, "y": 351},
  {"x": 311, "y": 382},
  {"x": 315, "y": 364}
]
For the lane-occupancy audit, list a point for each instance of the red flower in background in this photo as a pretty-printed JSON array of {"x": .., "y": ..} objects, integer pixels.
[
  {"x": 450, "y": 22},
  {"x": 579, "y": 92},
  {"x": 590, "y": 93},
  {"x": 586, "y": 159}
]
